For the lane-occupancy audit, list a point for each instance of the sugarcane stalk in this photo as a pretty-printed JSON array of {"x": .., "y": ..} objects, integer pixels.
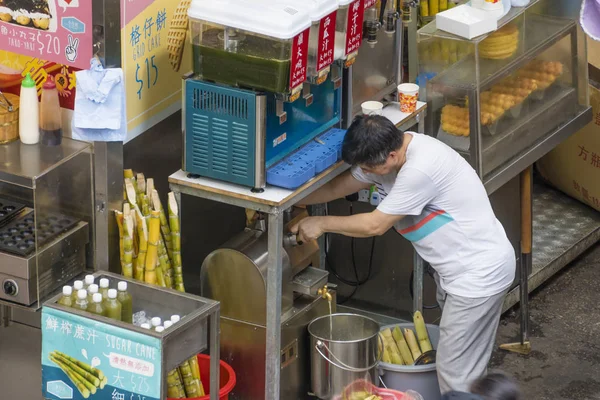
[
  {"x": 174, "y": 385},
  {"x": 189, "y": 383},
  {"x": 142, "y": 233},
  {"x": 394, "y": 355},
  {"x": 144, "y": 204},
  {"x": 128, "y": 211},
  {"x": 165, "y": 263},
  {"x": 164, "y": 223},
  {"x": 422, "y": 335},
  {"x": 103, "y": 383},
  {"x": 127, "y": 265},
  {"x": 443, "y": 5},
  {"x": 127, "y": 175},
  {"x": 93, "y": 379},
  {"x": 176, "y": 242},
  {"x": 195, "y": 367},
  {"x": 99, "y": 374},
  {"x": 385, "y": 354},
  {"x": 402, "y": 346},
  {"x": 152, "y": 253},
  {"x": 119, "y": 219},
  {"x": 411, "y": 340},
  {"x": 85, "y": 393},
  {"x": 80, "y": 378},
  {"x": 141, "y": 183}
]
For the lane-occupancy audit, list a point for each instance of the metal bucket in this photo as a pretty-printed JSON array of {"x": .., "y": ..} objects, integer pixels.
[{"x": 343, "y": 349}]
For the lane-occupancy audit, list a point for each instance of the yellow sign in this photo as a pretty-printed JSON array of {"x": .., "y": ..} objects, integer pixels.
[{"x": 153, "y": 88}]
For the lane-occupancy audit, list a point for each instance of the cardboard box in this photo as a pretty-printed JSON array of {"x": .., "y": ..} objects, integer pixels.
[
  {"x": 574, "y": 166},
  {"x": 593, "y": 51}
]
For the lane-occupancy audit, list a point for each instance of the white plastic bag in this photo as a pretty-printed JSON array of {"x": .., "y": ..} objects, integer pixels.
[{"x": 520, "y": 3}]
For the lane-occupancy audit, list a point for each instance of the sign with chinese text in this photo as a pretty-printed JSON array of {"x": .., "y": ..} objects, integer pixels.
[
  {"x": 83, "y": 358},
  {"x": 152, "y": 87},
  {"x": 574, "y": 166},
  {"x": 299, "y": 59},
  {"x": 354, "y": 27},
  {"x": 369, "y": 3},
  {"x": 326, "y": 41},
  {"x": 59, "y": 31}
]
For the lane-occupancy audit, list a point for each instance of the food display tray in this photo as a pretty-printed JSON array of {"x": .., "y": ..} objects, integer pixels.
[
  {"x": 18, "y": 236},
  {"x": 8, "y": 209}
]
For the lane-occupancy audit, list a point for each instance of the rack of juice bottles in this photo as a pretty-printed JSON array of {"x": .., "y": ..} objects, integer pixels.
[{"x": 128, "y": 302}]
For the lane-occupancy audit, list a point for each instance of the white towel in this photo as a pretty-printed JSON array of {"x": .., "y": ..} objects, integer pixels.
[{"x": 100, "y": 108}]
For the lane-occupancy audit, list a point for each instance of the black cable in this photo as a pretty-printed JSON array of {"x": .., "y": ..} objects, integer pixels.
[{"x": 358, "y": 282}]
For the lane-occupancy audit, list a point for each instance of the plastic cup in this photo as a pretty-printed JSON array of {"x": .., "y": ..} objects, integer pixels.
[
  {"x": 408, "y": 93},
  {"x": 372, "y": 108}
]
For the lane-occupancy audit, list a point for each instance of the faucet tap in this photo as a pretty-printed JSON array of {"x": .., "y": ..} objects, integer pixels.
[{"x": 324, "y": 293}]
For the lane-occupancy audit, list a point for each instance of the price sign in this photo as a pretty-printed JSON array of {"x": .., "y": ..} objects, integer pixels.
[
  {"x": 83, "y": 358},
  {"x": 355, "y": 30},
  {"x": 326, "y": 41},
  {"x": 56, "y": 31},
  {"x": 299, "y": 59}
]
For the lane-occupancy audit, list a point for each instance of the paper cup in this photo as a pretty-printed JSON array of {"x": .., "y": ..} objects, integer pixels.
[
  {"x": 372, "y": 108},
  {"x": 408, "y": 93}
]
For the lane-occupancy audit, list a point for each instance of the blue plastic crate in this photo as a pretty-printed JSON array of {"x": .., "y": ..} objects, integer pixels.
[
  {"x": 334, "y": 138},
  {"x": 321, "y": 155},
  {"x": 291, "y": 173}
]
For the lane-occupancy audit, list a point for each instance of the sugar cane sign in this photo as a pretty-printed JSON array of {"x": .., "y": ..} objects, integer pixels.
[
  {"x": 83, "y": 358},
  {"x": 58, "y": 31},
  {"x": 326, "y": 41},
  {"x": 354, "y": 27},
  {"x": 299, "y": 59}
]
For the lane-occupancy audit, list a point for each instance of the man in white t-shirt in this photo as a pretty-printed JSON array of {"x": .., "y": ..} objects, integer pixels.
[{"x": 433, "y": 198}]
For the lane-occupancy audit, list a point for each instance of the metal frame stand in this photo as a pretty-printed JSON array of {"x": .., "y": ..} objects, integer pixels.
[
  {"x": 274, "y": 206},
  {"x": 524, "y": 346}
]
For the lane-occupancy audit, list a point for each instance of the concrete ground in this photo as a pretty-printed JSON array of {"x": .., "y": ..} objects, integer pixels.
[{"x": 565, "y": 336}]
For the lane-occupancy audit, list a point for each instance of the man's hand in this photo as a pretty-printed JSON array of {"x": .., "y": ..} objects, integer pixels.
[{"x": 309, "y": 228}]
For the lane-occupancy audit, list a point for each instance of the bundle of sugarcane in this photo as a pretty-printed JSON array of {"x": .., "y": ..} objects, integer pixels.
[
  {"x": 402, "y": 347},
  {"x": 150, "y": 246},
  {"x": 86, "y": 378}
]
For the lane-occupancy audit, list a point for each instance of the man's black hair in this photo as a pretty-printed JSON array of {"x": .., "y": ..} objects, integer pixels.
[
  {"x": 496, "y": 386},
  {"x": 370, "y": 140}
]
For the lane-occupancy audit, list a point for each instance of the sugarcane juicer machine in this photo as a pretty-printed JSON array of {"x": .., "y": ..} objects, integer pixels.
[
  {"x": 236, "y": 276},
  {"x": 266, "y": 89}
]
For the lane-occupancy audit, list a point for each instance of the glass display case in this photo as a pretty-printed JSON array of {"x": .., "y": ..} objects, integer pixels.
[
  {"x": 46, "y": 219},
  {"x": 502, "y": 99}
]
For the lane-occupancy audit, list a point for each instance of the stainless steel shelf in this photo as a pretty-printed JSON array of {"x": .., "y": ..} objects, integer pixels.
[
  {"x": 511, "y": 169},
  {"x": 21, "y": 164}
]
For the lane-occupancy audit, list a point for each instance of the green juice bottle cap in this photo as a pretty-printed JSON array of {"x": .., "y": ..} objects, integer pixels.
[{"x": 28, "y": 82}]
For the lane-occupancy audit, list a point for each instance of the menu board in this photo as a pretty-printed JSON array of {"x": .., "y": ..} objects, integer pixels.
[
  {"x": 58, "y": 31},
  {"x": 83, "y": 358},
  {"x": 153, "y": 87}
]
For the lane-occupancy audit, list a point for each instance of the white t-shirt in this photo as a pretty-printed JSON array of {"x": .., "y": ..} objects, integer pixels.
[{"x": 448, "y": 218}]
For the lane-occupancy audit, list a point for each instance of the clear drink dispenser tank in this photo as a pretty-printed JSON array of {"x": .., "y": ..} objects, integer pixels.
[{"x": 251, "y": 44}]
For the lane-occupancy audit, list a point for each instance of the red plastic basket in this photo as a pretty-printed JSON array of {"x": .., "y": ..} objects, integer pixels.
[
  {"x": 365, "y": 386},
  {"x": 226, "y": 377}
]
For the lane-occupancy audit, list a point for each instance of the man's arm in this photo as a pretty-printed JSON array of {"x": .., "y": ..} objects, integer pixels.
[
  {"x": 370, "y": 224},
  {"x": 339, "y": 187}
]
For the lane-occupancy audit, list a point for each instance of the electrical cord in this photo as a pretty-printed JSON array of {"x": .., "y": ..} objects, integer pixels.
[
  {"x": 411, "y": 285},
  {"x": 358, "y": 282}
]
